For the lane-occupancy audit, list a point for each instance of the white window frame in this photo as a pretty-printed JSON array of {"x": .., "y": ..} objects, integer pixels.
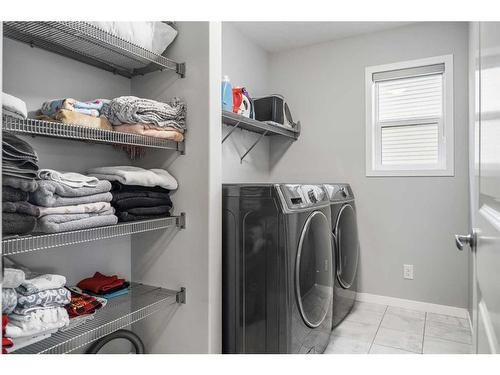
[{"x": 445, "y": 166}]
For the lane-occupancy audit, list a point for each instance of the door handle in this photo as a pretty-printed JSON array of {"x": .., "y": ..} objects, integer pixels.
[{"x": 462, "y": 240}]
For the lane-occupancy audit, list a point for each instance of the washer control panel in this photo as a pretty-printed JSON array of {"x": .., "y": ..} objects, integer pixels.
[
  {"x": 298, "y": 196},
  {"x": 339, "y": 192}
]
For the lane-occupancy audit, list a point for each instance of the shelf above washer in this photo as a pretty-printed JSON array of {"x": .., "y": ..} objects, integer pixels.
[
  {"x": 85, "y": 133},
  {"x": 91, "y": 45},
  {"x": 120, "y": 312},
  {"x": 26, "y": 244}
]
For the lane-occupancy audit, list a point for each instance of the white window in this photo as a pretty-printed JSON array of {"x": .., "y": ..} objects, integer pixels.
[{"x": 409, "y": 118}]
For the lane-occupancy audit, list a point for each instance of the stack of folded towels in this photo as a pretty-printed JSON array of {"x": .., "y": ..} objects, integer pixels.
[
  {"x": 104, "y": 286},
  {"x": 19, "y": 170},
  {"x": 138, "y": 194},
  {"x": 13, "y": 107},
  {"x": 34, "y": 305},
  {"x": 71, "y": 201},
  {"x": 71, "y": 111}
]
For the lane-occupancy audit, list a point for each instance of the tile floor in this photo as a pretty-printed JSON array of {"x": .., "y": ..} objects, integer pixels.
[{"x": 381, "y": 329}]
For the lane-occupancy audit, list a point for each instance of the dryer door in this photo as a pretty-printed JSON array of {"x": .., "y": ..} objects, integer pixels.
[
  {"x": 313, "y": 270},
  {"x": 346, "y": 236}
]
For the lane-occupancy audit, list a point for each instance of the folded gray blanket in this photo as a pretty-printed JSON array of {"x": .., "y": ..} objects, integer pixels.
[
  {"x": 20, "y": 208},
  {"x": 45, "y": 298},
  {"x": 54, "y": 225},
  {"x": 52, "y": 193},
  {"x": 132, "y": 110},
  {"x": 9, "y": 300},
  {"x": 23, "y": 184},
  {"x": 10, "y": 194},
  {"x": 14, "y": 223}
]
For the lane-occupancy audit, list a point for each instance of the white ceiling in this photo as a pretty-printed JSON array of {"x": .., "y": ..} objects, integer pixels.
[{"x": 280, "y": 36}]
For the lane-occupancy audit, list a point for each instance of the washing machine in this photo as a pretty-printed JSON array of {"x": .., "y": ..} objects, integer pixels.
[
  {"x": 345, "y": 245},
  {"x": 277, "y": 269}
]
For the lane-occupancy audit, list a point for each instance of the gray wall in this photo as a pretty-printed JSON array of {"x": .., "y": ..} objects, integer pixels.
[
  {"x": 247, "y": 65},
  {"x": 402, "y": 220},
  {"x": 35, "y": 76},
  {"x": 189, "y": 257}
]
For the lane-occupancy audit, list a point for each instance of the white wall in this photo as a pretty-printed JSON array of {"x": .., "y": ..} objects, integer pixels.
[
  {"x": 401, "y": 220},
  {"x": 35, "y": 75},
  {"x": 190, "y": 257},
  {"x": 247, "y": 65}
]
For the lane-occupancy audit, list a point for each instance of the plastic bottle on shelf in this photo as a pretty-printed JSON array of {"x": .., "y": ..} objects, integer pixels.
[{"x": 227, "y": 94}]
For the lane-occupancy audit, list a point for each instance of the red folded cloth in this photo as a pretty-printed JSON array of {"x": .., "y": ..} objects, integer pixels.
[
  {"x": 5, "y": 320},
  {"x": 99, "y": 283},
  {"x": 82, "y": 304},
  {"x": 6, "y": 343}
]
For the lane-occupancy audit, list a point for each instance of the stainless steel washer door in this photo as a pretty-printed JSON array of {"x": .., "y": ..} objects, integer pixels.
[
  {"x": 313, "y": 270},
  {"x": 347, "y": 246}
]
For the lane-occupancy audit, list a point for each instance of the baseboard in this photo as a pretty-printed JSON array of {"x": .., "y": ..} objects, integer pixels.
[{"x": 413, "y": 305}]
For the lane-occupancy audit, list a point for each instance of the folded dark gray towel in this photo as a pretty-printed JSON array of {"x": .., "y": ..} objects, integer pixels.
[
  {"x": 24, "y": 184},
  {"x": 26, "y": 174},
  {"x": 17, "y": 146},
  {"x": 117, "y": 195},
  {"x": 157, "y": 210},
  {"x": 118, "y": 186},
  {"x": 14, "y": 223},
  {"x": 21, "y": 164},
  {"x": 127, "y": 203},
  {"x": 125, "y": 216},
  {"x": 20, "y": 208},
  {"x": 10, "y": 194}
]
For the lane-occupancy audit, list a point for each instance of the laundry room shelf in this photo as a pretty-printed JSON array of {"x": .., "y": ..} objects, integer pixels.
[
  {"x": 120, "y": 312},
  {"x": 26, "y": 244},
  {"x": 238, "y": 121},
  {"x": 89, "y": 44},
  {"x": 85, "y": 133}
]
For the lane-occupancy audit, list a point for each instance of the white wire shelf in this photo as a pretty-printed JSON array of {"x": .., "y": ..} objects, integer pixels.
[
  {"x": 91, "y": 45},
  {"x": 26, "y": 244},
  {"x": 85, "y": 133},
  {"x": 141, "y": 302}
]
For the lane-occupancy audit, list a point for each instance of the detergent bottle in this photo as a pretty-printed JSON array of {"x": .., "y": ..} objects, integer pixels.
[{"x": 227, "y": 94}]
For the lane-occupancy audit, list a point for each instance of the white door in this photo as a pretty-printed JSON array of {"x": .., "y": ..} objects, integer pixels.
[{"x": 485, "y": 185}]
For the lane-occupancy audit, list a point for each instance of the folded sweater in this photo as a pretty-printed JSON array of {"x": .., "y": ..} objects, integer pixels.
[
  {"x": 100, "y": 283},
  {"x": 130, "y": 175}
]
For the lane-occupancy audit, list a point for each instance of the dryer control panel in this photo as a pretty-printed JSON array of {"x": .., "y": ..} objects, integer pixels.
[
  {"x": 299, "y": 196},
  {"x": 339, "y": 192}
]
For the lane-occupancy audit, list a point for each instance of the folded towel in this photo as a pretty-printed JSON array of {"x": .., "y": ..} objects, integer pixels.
[
  {"x": 90, "y": 108},
  {"x": 157, "y": 210},
  {"x": 28, "y": 185},
  {"x": 14, "y": 223},
  {"x": 75, "y": 118},
  {"x": 41, "y": 283},
  {"x": 70, "y": 179},
  {"x": 52, "y": 194},
  {"x": 20, "y": 208},
  {"x": 13, "y": 195},
  {"x": 46, "y": 225},
  {"x": 142, "y": 129},
  {"x": 119, "y": 195},
  {"x": 45, "y": 298},
  {"x": 23, "y": 164},
  {"x": 12, "y": 277},
  {"x": 98, "y": 207},
  {"x": 82, "y": 304},
  {"x": 126, "y": 203},
  {"x": 119, "y": 187},
  {"x": 129, "y": 175},
  {"x": 36, "y": 323},
  {"x": 9, "y": 300},
  {"x": 132, "y": 110},
  {"x": 126, "y": 216},
  {"x": 14, "y": 105},
  {"x": 16, "y": 146},
  {"x": 100, "y": 283}
]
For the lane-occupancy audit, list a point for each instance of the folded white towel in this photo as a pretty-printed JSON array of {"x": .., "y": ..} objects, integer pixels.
[
  {"x": 129, "y": 175},
  {"x": 41, "y": 283},
  {"x": 36, "y": 323},
  {"x": 86, "y": 208},
  {"x": 70, "y": 179},
  {"x": 15, "y": 105},
  {"x": 12, "y": 278}
]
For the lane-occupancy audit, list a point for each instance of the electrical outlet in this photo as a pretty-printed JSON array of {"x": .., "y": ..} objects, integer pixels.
[{"x": 408, "y": 271}]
